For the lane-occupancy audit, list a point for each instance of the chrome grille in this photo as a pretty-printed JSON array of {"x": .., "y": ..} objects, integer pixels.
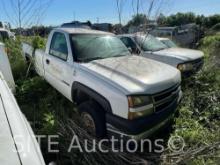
[{"x": 163, "y": 99}]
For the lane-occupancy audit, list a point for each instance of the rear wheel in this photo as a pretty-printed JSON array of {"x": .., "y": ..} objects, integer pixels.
[{"x": 93, "y": 118}]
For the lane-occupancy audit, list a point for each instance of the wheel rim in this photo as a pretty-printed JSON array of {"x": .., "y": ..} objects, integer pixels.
[{"x": 88, "y": 123}]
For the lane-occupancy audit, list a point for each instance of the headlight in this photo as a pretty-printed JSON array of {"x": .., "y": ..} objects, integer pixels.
[
  {"x": 185, "y": 67},
  {"x": 139, "y": 106}
]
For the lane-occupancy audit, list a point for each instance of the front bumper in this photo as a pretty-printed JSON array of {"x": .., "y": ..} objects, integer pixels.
[{"x": 141, "y": 128}]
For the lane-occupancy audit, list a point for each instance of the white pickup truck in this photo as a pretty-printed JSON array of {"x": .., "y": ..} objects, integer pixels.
[
  {"x": 116, "y": 93},
  {"x": 188, "y": 61},
  {"x": 17, "y": 140}
]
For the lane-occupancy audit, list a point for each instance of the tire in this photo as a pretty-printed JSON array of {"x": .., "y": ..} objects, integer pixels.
[{"x": 90, "y": 110}]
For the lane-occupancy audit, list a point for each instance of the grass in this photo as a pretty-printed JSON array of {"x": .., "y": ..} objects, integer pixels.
[
  {"x": 199, "y": 119},
  {"x": 198, "y": 122}
]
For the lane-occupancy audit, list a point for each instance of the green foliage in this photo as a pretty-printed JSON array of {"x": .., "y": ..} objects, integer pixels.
[
  {"x": 38, "y": 42},
  {"x": 180, "y": 19},
  {"x": 14, "y": 53},
  {"x": 41, "y": 104},
  {"x": 185, "y": 18},
  {"x": 211, "y": 41},
  {"x": 216, "y": 27},
  {"x": 199, "y": 119},
  {"x": 137, "y": 20},
  {"x": 1, "y": 39}
]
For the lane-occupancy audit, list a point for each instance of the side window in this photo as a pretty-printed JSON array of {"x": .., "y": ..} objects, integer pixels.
[
  {"x": 58, "y": 47},
  {"x": 129, "y": 43},
  {"x": 125, "y": 41}
]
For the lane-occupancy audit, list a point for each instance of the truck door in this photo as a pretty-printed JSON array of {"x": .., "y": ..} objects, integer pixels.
[{"x": 58, "y": 68}]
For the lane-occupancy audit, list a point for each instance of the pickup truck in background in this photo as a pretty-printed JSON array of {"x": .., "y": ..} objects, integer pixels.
[
  {"x": 188, "y": 61},
  {"x": 116, "y": 93},
  {"x": 5, "y": 67},
  {"x": 18, "y": 143}
]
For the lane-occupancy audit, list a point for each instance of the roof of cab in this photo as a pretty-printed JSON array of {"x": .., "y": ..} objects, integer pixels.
[{"x": 82, "y": 31}]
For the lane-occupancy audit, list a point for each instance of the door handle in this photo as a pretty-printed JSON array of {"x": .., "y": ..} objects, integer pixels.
[{"x": 47, "y": 61}]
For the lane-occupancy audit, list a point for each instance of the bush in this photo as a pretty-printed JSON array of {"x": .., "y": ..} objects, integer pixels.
[
  {"x": 38, "y": 42},
  {"x": 216, "y": 27},
  {"x": 199, "y": 119},
  {"x": 17, "y": 62},
  {"x": 210, "y": 41}
]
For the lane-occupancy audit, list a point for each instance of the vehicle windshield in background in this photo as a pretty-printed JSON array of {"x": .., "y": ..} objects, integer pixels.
[
  {"x": 88, "y": 47},
  {"x": 169, "y": 43},
  {"x": 3, "y": 35},
  {"x": 130, "y": 44},
  {"x": 150, "y": 43}
]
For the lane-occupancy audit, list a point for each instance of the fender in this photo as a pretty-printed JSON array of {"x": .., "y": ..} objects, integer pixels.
[{"x": 81, "y": 93}]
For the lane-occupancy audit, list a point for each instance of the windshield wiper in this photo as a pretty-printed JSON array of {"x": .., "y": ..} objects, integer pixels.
[{"x": 99, "y": 58}]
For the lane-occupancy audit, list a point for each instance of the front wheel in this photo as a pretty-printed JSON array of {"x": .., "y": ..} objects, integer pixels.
[{"x": 93, "y": 118}]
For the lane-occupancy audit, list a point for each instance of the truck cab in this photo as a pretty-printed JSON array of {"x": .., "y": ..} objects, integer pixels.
[{"x": 116, "y": 93}]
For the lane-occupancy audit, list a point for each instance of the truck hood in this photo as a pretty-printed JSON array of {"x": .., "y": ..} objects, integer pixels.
[
  {"x": 135, "y": 75},
  {"x": 181, "y": 53}
]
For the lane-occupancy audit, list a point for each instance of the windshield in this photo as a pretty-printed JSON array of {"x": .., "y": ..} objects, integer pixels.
[
  {"x": 169, "y": 43},
  {"x": 88, "y": 47},
  {"x": 150, "y": 43}
]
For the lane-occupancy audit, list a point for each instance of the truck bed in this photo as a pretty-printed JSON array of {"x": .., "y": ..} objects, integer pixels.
[{"x": 27, "y": 49}]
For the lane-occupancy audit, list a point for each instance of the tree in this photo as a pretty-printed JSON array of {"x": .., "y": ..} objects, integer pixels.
[
  {"x": 185, "y": 18},
  {"x": 119, "y": 5},
  {"x": 200, "y": 20},
  {"x": 213, "y": 20},
  {"x": 25, "y": 13},
  {"x": 137, "y": 20},
  {"x": 146, "y": 13},
  {"x": 161, "y": 19}
]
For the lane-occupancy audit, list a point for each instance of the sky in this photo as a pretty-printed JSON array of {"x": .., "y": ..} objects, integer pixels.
[{"x": 60, "y": 11}]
